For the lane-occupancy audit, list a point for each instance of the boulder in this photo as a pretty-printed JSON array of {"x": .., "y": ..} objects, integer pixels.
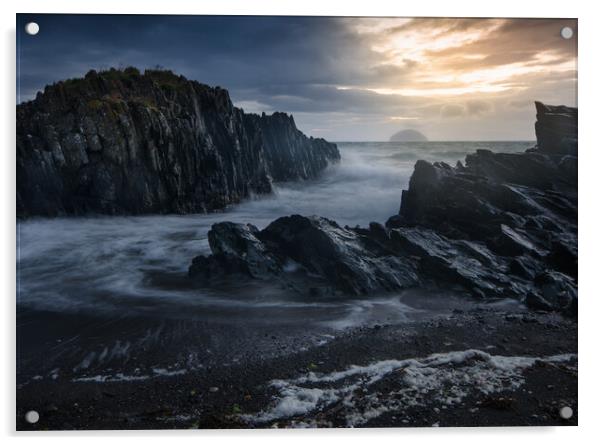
[
  {"x": 306, "y": 253},
  {"x": 555, "y": 292}
]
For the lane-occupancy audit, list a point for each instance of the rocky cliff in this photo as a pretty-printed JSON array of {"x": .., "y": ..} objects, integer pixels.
[
  {"x": 556, "y": 129},
  {"x": 122, "y": 142},
  {"x": 499, "y": 226}
]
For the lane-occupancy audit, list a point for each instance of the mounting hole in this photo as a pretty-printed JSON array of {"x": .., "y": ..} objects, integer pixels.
[
  {"x": 566, "y": 32},
  {"x": 32, "y": 417},
  {"x": 566, "y": 412},
  {"x": 32, "y": 28}
]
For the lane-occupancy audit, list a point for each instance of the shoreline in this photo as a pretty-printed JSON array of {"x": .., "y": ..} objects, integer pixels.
[{"x": 224, "y": 396}]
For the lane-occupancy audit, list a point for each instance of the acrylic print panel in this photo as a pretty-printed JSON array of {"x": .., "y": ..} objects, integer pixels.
[{"x": 256, "y": 222}]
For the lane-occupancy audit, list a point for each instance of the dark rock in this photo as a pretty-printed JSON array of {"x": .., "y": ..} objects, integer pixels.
[
  {"x": 353, "y": 261},
  {"x": 558, "y": 290},
  {"x": 461, "y": 262},
  {"x": 537, "y": 302},
  {"x": 211, "y": 270},
  {"x": 236, "y": 252},
  {"x": 290, "y": 155},
  {"x": 379, "y": 232},
  {"x": 395, "y": 222},
  {"x": 121, "y": 142},
  {"x": 325, "y": 255},
  {"x": 524, "y": 267},
  {"x": 563, "y": 256},
  {"x": 463, "y": 204},
  {"x": 512, "y": 243},
  {"x": 521, "y": 206},
  {"x": 500, "y": 226},
  {"x": 568, "y": 166},
  {"x": 556, "y": 129},
  {"x": 240, "y": 241}
]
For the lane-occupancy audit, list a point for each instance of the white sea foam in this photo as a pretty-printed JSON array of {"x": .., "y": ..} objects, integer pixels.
[
  {"x": 111, "y": 263},
  {"x": 168, "y": 372},
  {"x": 444, "y": 379},
  {"x": 121, "y": 377}
]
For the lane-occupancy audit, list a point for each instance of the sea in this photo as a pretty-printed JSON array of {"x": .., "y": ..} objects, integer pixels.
[{"x": 100, "y": 287}]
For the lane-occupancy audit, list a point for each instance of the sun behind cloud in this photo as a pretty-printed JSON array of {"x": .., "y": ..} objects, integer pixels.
[{"x": 455, "y": 57}]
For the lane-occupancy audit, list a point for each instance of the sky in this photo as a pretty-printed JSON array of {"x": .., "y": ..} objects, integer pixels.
[{"x": 343, "y": 78}]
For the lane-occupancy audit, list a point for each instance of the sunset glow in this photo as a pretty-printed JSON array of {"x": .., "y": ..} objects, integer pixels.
[
  {"x": 444, "y": 46},
  {"x": 345, "y": 78}
]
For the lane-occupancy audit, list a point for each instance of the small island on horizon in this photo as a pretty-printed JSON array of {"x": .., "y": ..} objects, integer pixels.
[{"x": 408, "y": 135}]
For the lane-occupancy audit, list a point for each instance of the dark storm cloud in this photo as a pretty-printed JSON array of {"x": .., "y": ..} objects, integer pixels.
[
  {"x": 342, "y": 78},
  {"x": 239, "y": 53}
]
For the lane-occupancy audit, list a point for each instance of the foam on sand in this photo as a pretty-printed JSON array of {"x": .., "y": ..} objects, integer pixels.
[
  {"x": 445, "y": 379},
  {"x": 121, "y": 377}
]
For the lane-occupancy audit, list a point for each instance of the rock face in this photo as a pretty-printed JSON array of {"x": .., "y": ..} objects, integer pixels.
[
  {"x": 522, "y": 207},
  {"x": 408, "y": 136},
  {"x": 121, "y": 142},
  {"x": 556, "y": 129},
  {"x": 315, "y": 256},
  {"x": 499, "y": 226},
  {"x": 307, "y": 254}
]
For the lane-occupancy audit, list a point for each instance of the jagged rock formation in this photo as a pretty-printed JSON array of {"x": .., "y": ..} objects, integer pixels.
[
  {"x": 522, "y": 207},
  {"x": 316, "y": 256},
  {"x": 312, "y": 255},
  {"x": 519, "y": 208},
  {"x": 121, "y": 142},
  {"x": 556, "y": 129},
  {"x": 502, "y": 225}
]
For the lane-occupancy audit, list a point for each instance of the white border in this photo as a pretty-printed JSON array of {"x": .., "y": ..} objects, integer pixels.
[{"x": 590, "y": 104}]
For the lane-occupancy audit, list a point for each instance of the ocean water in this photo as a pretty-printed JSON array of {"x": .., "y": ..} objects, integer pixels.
[
  {"x": 107, "y": 298},
  {"x": 105, "y": 264}
]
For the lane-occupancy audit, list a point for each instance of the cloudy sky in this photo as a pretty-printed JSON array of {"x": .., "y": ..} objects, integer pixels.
[{"x": 342, "y": 78}]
